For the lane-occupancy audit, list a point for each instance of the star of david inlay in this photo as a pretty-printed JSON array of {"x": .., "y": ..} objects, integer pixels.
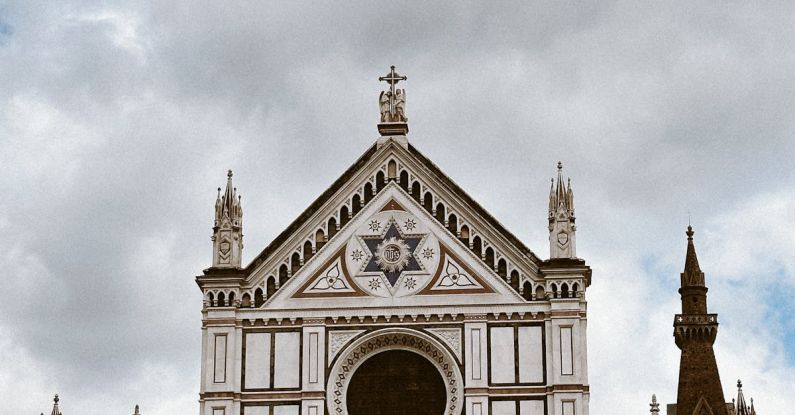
[{"x": 392, "y": 253}]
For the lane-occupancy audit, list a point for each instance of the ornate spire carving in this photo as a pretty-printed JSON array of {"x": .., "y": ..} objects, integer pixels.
[
  {"x": 392, "y": 105},
  {"x": 227, "y": 229},
  {"x": 562, "y": 230},
  {"x": 137, "y": 412}
]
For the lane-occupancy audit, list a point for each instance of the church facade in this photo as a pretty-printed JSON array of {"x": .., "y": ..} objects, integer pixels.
[{"x": 394, "y": 293}]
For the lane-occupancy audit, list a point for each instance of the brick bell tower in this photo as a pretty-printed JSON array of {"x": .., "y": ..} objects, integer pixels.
[{"x": 700, "y": 391}]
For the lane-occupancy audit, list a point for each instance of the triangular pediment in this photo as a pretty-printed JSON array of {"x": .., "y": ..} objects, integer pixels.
[
  {"x": 393, "y": 172},
  {"x": 393, "y": 253}
]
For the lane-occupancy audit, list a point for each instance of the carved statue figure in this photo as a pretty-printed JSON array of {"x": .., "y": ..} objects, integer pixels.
[
  {"x": 400, "y": 106},
  {"x": 383, "y": 103}
]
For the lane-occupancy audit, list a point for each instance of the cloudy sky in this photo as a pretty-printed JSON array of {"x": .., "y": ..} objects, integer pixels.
[{"x": 118, "y": 121}]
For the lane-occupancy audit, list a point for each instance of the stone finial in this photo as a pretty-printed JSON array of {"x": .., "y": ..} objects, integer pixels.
[
  {"x": 137, "y": 411},
  {"x": 655, "y": 407},
  {"x": 55, "y": 409}
]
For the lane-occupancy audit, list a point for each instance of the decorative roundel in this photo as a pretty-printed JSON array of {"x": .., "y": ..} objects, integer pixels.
[{"x": 393, "y": 254}]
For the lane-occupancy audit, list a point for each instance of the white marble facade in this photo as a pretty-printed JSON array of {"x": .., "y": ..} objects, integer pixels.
[{"x": 505, "y": 330}]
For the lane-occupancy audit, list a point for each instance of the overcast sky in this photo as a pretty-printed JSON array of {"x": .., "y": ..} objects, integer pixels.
[{"x": 118, "y": 121}]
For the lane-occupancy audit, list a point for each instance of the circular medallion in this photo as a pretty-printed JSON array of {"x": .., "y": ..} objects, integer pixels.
[{"x": 392, "y": 255}]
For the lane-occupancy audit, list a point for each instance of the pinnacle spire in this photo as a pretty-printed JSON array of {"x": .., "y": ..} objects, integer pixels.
[
  {"x": 561, "y": 218},
  {"x": 742, "y": 407},
  {"x": 137, "y": 411},
  {"x": 227, "y": 229},
  {"x": 692, "y": 276},
  {"x": 230, "y": 202},
  {"x": 561, "y": 192},
  {"x": 55, "y": 409}
]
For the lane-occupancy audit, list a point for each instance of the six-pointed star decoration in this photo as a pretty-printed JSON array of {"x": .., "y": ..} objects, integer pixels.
[{"x": 391, "y": 254}]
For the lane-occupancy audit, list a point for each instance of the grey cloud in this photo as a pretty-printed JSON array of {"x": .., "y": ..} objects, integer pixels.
[{"x": 655, "y": 109}]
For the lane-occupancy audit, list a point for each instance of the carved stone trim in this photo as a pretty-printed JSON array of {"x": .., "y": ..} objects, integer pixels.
[
  {"x": 337, "y": 339},
  {"x": 452, "y": 337},
  {"x": 394, "y": 339}
]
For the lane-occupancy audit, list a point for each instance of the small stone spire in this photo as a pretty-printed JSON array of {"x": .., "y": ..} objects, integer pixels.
[
  {"x": 692, "y": 275},
  {"x": 753, "y": 410},
  {"x": 655, "y": 407},
  {"x": 228, "y": 226},
  {"x": 562, "y": 240},
  {"x": 742, "y": 407},
  {"x": 137, "y": 411},
  {"x": 55, "y": 409}
]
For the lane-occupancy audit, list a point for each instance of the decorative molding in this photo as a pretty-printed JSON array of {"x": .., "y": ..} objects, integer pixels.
[
  {"x": 451, "y": 337},
  {"x": 394, "y": 339},
  {"x": 337, "y": 339}
]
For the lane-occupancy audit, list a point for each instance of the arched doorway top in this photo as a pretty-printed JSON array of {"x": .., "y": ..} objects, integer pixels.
[{"x": 394, "y": 339}]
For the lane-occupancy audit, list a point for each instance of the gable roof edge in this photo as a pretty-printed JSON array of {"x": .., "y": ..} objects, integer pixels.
[{"x": 480, "y": 210}]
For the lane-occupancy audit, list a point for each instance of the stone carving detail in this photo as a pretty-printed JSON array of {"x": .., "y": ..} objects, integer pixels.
[
  {"x": 337, "y": 339},
  {"x": 454, "y": 278},
  {"x": 385, "y": 260},
  {"x": 452, "y": 337},
  {"x": 332, "y": 281},
  {"x": 400, "y": 339},
  {"x": 392, "y": 103}
]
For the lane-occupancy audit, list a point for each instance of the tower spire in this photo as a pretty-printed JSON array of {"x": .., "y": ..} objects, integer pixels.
[
  {"x": 695, "y": 331},
  {"x": 227, "y": 229},
  {"x": 562, "y": 230},
  {"x": 692, "y": 275}
]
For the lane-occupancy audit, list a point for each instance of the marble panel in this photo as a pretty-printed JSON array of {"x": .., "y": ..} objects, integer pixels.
[
  {"x": 287, "y": 362},
  {"x": 503, "y": 408},
  {"x": 258, "y": 360},
  {"x": 531, "y": 408},
  {"x": 531, "y": 355},
  {"x": 566, "y": 358},
  {"x": 502, "y": 355}
]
